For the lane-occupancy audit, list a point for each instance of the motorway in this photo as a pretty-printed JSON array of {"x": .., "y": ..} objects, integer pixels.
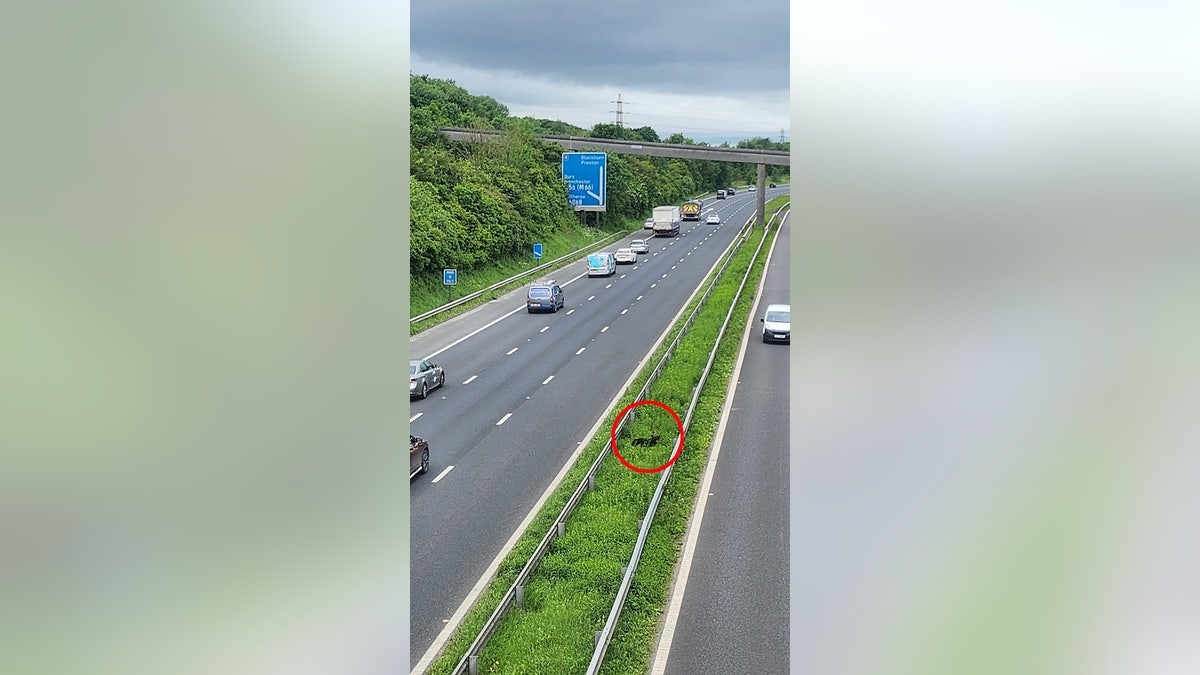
[
  {"x": 523, "y": 390},
  {"x": 734, "y": 614}
]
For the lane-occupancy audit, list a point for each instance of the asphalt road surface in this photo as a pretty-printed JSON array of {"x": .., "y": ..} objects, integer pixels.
[
  {"x": 734, "y": 614},
  {"x": 522, "y": 391}
]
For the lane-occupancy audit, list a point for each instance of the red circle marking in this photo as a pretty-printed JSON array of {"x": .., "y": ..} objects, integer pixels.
[{"x": 631, "y": 406}]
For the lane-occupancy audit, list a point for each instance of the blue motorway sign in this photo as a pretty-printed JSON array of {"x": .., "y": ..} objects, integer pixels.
[
  {"x": 450, "y": 277},
  {"x": 583, "y": 173},
  {"x": 537, "y": 251}
]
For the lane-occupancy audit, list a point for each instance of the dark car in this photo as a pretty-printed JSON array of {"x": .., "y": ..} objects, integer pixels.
[
  {"x": 544, "y": 295},
  {"x": 418, "y": 455},
  {"x": 731, "y": 192},
  {"x": 424, "y": 376},
  {"x": 773, "y": 185}
]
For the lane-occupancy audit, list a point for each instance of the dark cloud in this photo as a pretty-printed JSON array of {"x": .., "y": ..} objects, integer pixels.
[{"x": 671, "y": 45}]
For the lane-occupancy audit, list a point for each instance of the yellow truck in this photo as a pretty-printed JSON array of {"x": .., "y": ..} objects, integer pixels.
[{"x": 691, "y": 210}]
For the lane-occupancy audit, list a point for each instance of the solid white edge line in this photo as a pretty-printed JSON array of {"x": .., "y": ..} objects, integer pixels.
[
  {"x": 443, "y": 473},
  {"x": 671, "y": 616},
  {"x": 485, "y": 580},
  {"x": 488, "y": 325}
]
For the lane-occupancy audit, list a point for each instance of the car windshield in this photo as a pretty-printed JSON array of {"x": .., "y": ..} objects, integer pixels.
[
  {"x": 541, "y": 292},
  {"x": 412, "y": 367},
  {"x": 596, "y": 260},
  {"x": 779, "y": 317}
]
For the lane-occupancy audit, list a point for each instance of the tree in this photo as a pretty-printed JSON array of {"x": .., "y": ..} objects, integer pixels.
[{"x": 646, "y": 134}]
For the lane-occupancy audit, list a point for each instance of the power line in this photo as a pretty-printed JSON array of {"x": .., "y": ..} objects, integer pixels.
[{"x": 620, "y": 113}]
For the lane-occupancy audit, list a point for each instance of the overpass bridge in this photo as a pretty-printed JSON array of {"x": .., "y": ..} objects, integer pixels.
[{"x": 679, "y": 151}]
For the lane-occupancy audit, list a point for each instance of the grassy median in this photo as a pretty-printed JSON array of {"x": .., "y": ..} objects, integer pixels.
[{"x": 571, "y": 592}]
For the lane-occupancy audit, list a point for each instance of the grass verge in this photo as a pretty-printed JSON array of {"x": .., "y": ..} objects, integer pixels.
[
  {"x": 428, "y": 293},
  {"x": 570, "y": 594},
  {"x": 637, "y": 629}
]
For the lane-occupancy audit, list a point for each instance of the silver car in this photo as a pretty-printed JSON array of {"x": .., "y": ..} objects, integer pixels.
[
  {"x": 424, "y": 376},
  {"x": 639, "y": 246}
]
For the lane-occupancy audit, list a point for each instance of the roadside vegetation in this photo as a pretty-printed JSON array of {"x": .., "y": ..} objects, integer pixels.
[
  {"x": 480, "y": 207},
  {"x": 570, "y": 594}
]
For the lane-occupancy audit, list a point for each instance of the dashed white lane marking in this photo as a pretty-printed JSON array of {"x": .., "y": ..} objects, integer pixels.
[
  {"x": 592, "y": 298},
  {"x": 443, "y": 473},
  {"x": 664, "y": 276},
  {"x": 639, "y": 298},
  {"x": 504, "y": 419},
  {"x": 544, "y": 329},
  {"x": 653, "y": 285},
  {"x": 580, "y": 351},
  {"x": 608, "y": 286},
  {"x": 470, "y": 379},
  {"x": 414, "y": 417},
  {"x": 570, "y": 312},
  {"x": 510, "y": 352},
  {"x": 606, "y": 327},
  {"x": 672, "y": 267},
  {"x": 625, "y": 310},
  {"x": 622, "y": 276},
  {"x": 547, "y": 380}
]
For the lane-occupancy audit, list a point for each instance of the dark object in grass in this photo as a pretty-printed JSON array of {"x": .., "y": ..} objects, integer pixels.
[{"x": 653, "y": 440}]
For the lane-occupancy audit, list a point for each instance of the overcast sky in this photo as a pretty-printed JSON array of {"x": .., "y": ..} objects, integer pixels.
[{"x": 713, "y": 71}]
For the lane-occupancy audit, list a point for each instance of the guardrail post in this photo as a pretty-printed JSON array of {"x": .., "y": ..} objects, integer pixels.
[
  {"x": 592, "y": 482},
  {"x": 596, "y": 639},
  {"x": 521, "y": 597},
  {"x": 562, "y": 528},
  {"x": 473, "y": 665}
]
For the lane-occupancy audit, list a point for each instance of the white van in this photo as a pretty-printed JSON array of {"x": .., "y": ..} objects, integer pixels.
[
  {"x": 777, "y": 324},
  {"x": 601, "y": 264}
]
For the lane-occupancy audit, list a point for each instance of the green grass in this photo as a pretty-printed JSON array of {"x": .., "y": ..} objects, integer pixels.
[
  {"x": 637, "y": 629},
  {"x": 428, "y": 293},
  {"x": 571, "y": 592}
]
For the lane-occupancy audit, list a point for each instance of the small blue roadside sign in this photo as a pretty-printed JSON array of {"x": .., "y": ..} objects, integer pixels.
[
  {"x": 583, "y": 172},
  {"x": 450, "y": 277},
  {"x": 537, "y": 251}
]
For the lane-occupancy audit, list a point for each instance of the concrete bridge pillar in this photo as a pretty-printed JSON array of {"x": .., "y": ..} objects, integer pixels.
[{"x": 762, "y": 194}]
